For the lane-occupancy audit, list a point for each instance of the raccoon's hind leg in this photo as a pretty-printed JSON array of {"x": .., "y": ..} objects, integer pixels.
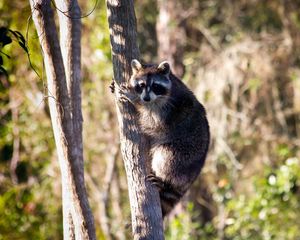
[{"x": 169, "y": 197}]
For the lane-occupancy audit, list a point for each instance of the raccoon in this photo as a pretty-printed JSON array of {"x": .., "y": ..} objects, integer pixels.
[{"x": 175, "y": 124}]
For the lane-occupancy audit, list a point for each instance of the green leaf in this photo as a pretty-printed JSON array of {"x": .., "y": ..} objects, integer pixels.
[
  {"x": 2, "y": 70},
  {"x": 4, "y": 38},
  {"x": 20, "y": 38},
  {"x": 5, "y": 54},
  {"x": 23, "y": 46}
]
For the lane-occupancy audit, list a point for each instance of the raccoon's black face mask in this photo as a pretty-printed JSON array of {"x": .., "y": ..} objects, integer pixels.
[
  {"x": 149, "y": 81},
  {"x": 151, "y": 87}
]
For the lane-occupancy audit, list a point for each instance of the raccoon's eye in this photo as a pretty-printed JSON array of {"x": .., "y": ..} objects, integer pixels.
[
  {"x": 139, "y": 87},
  {"x": 158, "y": 89},
  {"x": 142, "y": 85}
]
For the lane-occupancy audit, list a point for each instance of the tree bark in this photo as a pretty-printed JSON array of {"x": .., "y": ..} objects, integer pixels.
[
  {"x": 63, "y": 83},
  {"x": 144, "y": 199}
]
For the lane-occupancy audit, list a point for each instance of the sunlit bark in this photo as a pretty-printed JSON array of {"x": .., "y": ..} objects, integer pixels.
[
  {"x": 63, "y": 85},
  {"x": 144, "y": 200}
]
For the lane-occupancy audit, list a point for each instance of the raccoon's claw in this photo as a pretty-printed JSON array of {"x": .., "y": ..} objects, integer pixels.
[
  {"x": 123, "y": 99},
  {"x": 112, "y": 86},
  {"x": 156, "y": 181},
  {"x": 125, "y": 94},
  {"x": 124, "y": 87},
  {"x": 121, "y": 88}
]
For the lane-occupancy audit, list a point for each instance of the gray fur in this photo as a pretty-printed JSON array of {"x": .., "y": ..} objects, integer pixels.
[{"x": 177, "y": 128}]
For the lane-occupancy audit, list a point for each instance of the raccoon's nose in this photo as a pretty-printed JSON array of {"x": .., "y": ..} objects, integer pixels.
[{"x": 146, "y": 98}]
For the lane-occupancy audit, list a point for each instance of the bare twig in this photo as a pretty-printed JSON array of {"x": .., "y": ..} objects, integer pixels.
[{"x": 16, "y": 144}]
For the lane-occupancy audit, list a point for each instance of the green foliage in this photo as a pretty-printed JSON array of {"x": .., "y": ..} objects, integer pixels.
[
  {"x": 6, "y": 35},
  {"x": 273, "y": 211},
  {"x": 29, "y": 209},
  {"x": 261, "y": 16},
  {"x": 182, "y": 227},
  {"x": 26, "y": 214}
]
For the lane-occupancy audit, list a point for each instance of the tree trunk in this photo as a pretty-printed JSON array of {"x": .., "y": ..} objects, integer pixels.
[
  {"x": 171, "y": 34},
  {"x": 63, "y": 83},
  {"x": 144, "y": 199}
]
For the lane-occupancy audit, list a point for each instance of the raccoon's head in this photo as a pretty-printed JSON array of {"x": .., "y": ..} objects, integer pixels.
[{"x": 151, "y": 82}]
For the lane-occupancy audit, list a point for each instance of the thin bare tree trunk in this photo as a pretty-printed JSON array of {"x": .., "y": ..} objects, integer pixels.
[
  {"x": 70, "y": 41},
  {"x": 171, "y": 34},
  {"x": 103, "y": 216},
  {"x": 102, "y": 197},
  {"x": 65, "y": 110},
  {"x": 144, "y": 199},
  {"x": 116, "y": 206},
  {"x": 14, "y": 106}
]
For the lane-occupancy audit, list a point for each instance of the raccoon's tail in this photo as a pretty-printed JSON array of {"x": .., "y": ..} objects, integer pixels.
[{"x": 169, "y": 197}]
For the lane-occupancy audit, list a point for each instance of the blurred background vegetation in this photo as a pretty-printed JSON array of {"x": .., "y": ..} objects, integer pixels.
[{"x": 241, "y": 58}]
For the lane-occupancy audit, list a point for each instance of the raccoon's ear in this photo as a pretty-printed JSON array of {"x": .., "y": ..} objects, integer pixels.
[
  {"x": 136, "y": 65},
  {"x": 164, "y": 68}
]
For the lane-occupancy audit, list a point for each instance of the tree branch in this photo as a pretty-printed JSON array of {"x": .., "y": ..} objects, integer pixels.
[{"x": 16, "y": 136}]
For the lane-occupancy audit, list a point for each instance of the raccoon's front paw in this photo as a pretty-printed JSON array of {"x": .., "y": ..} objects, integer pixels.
[
  {"x": 125, "y": 94},
  {"x": 112, "y": 86},
  {"x": 120, "y": 88},
  {"x": 156, "y": 181},
  {"x": 124, "y": 89},
  {"x": 121, "y": 91}
]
